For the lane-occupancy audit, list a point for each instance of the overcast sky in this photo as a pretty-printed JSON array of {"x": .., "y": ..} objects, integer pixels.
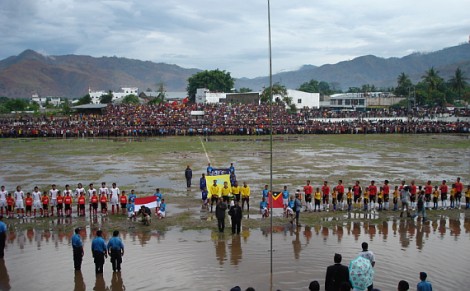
[{"x": 232, "y": 35}]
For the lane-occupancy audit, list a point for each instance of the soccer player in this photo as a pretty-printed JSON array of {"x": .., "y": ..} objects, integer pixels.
[
  {"x": 132, "y": 197},
  {"x": 225, "y": 191},
  {"x": 380, "y": 198},
  {"x": 104, "y": 190},
  {"x": 366, "y": 199},
  {"x": 45, "y": 204},
  {"x": 467, "y": 198},
  {"x": 334, "y": 198},
  {"x": 53, "y": 198},
  {"x": 29, "y": 204},
  {"x": 413, "y": 194},
  {"x": 349, "y": 198},
  {"x": 123, "y": 202},
  {"x": 386, "y": 194},
  {"x": 3, "y": 199},
  {"x": 114, "y": 192},
  {"x": 427, "y": 193},
  {"x": 245, "y": 191},
  {"x": 81, "y": 204},
  {"x": 325, "y": 189},
  {"x": 458, "y": 192},
  {"x": 236, "y": 191},
  {"x": 19, "y": 203},
  {"x": 37, "y": 201},
  {"x": 317, "y": 198},
  {"x": 452, "y": 196},
  {"x": 68, "y": 201},
  {"x": 94, "y": 202},
  {"x": 357, "y": 191},
  {"x": 79, "y": 190},
  {"x": 162, "y": 210},
  {"x": 91, "y": 190},
  {"x": 60, "y": 204},
  {"x": 308, "y": 190},
  {"x": 263, "y": 208},
  {"x": 396, "y": 194},
  {"x": 285, "y": 200},
  {"x": 104, "y": 204},
  {"x": 10, "y": 205},
  {"x": 340, "y": 191},
  {"x": 214, "y": 192},
  {"x": 443, "y": 188},
  {"x": 158, "y": 198},
  {"x": 372, "y": 194}
]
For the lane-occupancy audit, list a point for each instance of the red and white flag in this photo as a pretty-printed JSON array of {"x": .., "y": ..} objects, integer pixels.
[{"x": 149, "y": 201}]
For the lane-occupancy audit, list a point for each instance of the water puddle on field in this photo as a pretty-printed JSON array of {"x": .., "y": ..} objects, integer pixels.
[{"x": 189, "y": 259}]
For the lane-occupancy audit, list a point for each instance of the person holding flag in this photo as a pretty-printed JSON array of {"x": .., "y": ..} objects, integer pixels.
[
  {"x": 214, "y": 193},
  {"x": 245, "y": 192}
]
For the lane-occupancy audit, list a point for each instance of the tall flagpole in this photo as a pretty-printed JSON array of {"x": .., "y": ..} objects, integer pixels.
[{"x": 270, "y": 136}]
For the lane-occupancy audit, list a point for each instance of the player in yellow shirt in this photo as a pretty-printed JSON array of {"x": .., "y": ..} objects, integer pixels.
[
  {"x": 395, "y": 199},
  {"x": 452, "y": 196},
  {"x": 366, "y": 199},
  {"x": 245, "y": 192},
  {"x": 380, "y": 199},
  {"x": 236, "y": 191},
  {"x": 349, "y": 197},
  {"x": 214, "y": 192},
  {"x": 225, "y": 192},
  {"x": 467, "y": 198},
  {"x": 317, "y": 200},
  {"x": 435, "y": 197},
  {"x": 334, "y": 196}
]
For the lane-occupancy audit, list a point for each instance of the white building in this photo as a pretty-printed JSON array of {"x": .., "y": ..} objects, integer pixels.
[
  {"x": 96, "y": 95},
  {"x": 303, "y": 99},
  {"x": 348, "y": 101},
  {"x": 203, "y": 95},
  {"x": 38, "y": 99}
]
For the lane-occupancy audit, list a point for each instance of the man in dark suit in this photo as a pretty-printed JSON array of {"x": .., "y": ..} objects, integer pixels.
[{"x": 336, "y": 274}]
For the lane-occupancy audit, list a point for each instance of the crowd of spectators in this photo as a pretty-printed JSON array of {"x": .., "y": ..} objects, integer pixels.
[{"x": 226, "y": 119}]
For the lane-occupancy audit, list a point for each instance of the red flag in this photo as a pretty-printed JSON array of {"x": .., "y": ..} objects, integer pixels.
[
  {"x": 277, "y": 200},
  {"x": 149, "y": 201}
]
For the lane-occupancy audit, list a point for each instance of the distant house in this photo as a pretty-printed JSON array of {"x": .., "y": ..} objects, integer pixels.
[
  {"x": 304, "y": 99},
  {"x": 169, "y": 96},
  {"x": 348, "y": 101},
  {"x": 243, "y": 98},
  {"x": 203, "y": 95},
  {"x": 38, "y": 99},
  {"x": 96, "y": 95}
]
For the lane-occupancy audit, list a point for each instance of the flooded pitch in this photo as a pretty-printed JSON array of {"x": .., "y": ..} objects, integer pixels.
[
  {"x": 179, "y": 259},
  {"x": 207, "y": 260}
]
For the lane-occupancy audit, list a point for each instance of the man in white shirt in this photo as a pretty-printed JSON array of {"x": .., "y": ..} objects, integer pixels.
[
  {"x": 365, "y": 253},
  {"x": 90, "y": 192},
  {"x": 19, "y": 204},
  {"x": 79, "y": 190},
  {"x": 3, "y": 199},
  {"x": 37, "y": 205},
  {"x": 115, "y": 192},
  {"x": 53, "y": 194}
]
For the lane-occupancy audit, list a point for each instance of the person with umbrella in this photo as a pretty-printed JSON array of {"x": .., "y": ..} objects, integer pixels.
[
  {"x": 369, "y": 255},
  {"x": 361, "y": 274}
]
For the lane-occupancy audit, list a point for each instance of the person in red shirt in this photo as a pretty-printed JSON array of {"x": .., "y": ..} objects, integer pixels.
[
  {"x": 386, "y": 194},
  {"x": 340, "y": 197},
  {"x": 104, "y": 204},
  {"x": 60, "y": 204},
  {"x": 308, "y": 190},
  {"x": 444, "y": 190},
  {"x": 29, "y": 204},
  {"x": 357, "y": 191},
  {"x": 413, "y": 191},
  {"x": 45, "y": 204},
  {"x": 372, "y": 194},
  {"x": 458, "y": 192},
  {"x": 427, "y": 193},
  {"x": 123, "y": 202},
  {"x": 68, "y": 203},
  {"x": 325, "y": 189},
  {"x": 94, "y": 203},
  {"x": 81, "y": 204},
  {"x": 10, "y": 205}
]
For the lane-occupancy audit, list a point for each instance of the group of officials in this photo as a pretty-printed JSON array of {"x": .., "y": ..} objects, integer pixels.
[{"x": 100, "y": 251}]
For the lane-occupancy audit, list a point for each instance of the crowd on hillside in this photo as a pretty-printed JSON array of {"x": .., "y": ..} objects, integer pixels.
[{"x": 248, "y": 119}]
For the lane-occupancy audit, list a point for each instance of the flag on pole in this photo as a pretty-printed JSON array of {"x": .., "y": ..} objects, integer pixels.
[
  {"x": 149, "y": 201},
  {"x": 277, "y": 200}
]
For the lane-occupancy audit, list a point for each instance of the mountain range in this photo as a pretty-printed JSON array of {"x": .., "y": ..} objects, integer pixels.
[{"x": 72, "y": 75}]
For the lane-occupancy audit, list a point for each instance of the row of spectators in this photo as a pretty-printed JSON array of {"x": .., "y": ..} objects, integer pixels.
[{"x": 176, "y": 119}]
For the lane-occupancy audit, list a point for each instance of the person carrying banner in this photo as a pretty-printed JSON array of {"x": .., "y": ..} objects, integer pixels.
[{"x": 214, "y": 193}]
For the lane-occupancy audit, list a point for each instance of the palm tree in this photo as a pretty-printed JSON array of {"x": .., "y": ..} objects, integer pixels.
[
  {"x": 458, "y": 82},
  {"x": 403, "y": 84},
  {"x": 432, "y": 81}
]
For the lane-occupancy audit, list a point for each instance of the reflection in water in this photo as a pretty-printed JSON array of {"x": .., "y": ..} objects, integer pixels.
[
  {"x": 117, "y": 283},
  {"x": 219, "y": 242},
  {"x": 235, "y": 250},
  {"x": 296, "y": 244},
  {"x": 79, "y": 284},
  {"x": 4, "y": 278},
  {"x": 100, "y": 284}
]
